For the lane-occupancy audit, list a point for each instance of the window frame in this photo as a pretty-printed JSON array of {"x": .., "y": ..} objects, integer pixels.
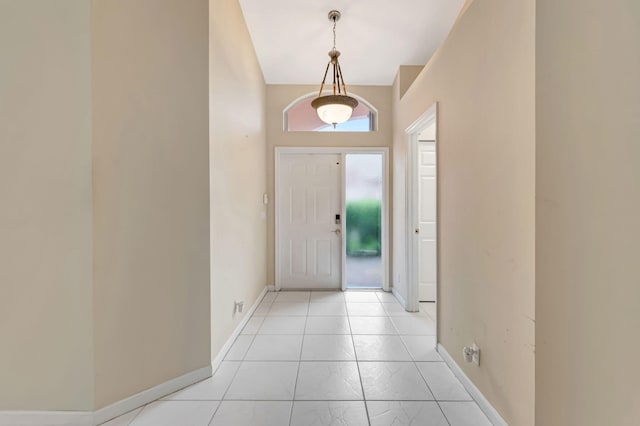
[{"x": 373, "y": 115}]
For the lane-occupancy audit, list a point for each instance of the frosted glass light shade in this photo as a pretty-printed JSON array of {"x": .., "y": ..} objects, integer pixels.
[
  {"x": 334, "y": 113},
  {"x": 334, "y": 109}
]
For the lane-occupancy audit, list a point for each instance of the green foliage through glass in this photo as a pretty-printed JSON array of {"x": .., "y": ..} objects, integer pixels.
[{"x": 363, "y": 228}]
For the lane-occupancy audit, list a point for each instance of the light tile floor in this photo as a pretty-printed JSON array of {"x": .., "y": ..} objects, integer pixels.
[{"x": 324, "y": 358}]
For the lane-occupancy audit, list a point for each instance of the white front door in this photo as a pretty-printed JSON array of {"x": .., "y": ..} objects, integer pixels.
[
  {"x": 427, "y": 247},
  {"x": 310, "y": 241}
]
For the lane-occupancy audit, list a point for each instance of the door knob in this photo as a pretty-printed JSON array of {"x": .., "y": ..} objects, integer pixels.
[
  {"x": 417, "y": 230},
  {"x": 337, "y": 231}
]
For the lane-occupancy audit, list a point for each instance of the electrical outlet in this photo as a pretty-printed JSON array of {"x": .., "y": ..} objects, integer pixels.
[{"x": 475, "y": 357}]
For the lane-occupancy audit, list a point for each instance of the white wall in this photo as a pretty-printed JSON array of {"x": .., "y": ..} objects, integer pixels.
[
  {"x": 46, "y": 354},
  {"x": 238, "y": 162},
  {"x": 278, "y": 98},
  {"x": 588, "y": 210},
  {"x": 483, "y": 78}
]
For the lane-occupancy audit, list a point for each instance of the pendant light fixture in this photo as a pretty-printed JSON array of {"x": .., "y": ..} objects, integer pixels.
[{"x": 338, "y": 107}]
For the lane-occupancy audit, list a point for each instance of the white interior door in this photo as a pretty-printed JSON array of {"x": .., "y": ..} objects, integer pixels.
[
  {"x": 310, "y": 241},
  {"x": 427, "y": 214}
]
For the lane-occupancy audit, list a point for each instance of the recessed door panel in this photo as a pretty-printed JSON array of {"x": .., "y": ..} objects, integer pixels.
[
  {"x": 298, "y": 257},
  {"x": 297, "y": 206},
  {"x": 322, "y": 205},
  {"x": 427, "y": 199},
  {"x": 323, "y": 258},
  {"x": 427, "y": 254}
]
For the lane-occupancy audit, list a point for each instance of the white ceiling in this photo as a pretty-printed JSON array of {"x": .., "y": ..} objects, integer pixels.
[{"x": 375, "y": 37}]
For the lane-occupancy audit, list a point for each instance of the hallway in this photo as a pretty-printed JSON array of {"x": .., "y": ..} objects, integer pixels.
[{"x": 324, "y": 358}]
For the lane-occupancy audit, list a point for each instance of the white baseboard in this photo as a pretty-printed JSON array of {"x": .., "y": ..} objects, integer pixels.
[
  {"x": 92, "y": 418},
  {"x": 215, "y": 363},
  {"x": 271, "y": 288},
  {"x": 88, "y": 418},
  {"x": 48, "y": 418},
  {"x": 138, "y": 400},
  {"x": 167, "y": 388},
  {"x": 483, "y": 403}
]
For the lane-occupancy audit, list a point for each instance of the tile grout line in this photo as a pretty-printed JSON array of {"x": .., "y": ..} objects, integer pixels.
[
  {"x": 364, "y": 397},
  {"x": 223, "y": 360},
  {"x": 136, "y": 416},
  {"x": 415, "y": 364},
  {"x": 214, "y": 413},
  {"x": 295, "y": 385},
  {"x": 241, "y": 361},
  {"x": 130, "y": 423},
  {"x": 443, "y": 414}
]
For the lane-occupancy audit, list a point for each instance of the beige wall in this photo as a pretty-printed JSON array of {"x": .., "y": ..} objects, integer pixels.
[
  {"x": 278, "y": 98},
  {"x": 238, "y": 150},
  {"x": 407, "y": 74},
  {"x": 483, "y": 79},
  {"x": 106, "y": 172},
  {"x": 587, "y": 226},
  {"x": 45, "y": 206},
  {"x": 151, "y": 193}
]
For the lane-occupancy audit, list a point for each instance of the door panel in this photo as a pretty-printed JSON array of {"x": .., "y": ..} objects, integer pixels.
[
  {"x": 323, "y": 258},
  {"x": 298, "y": 256},
  {"x": 310, "y": 184},
  {"x": 427, "y": 246}
]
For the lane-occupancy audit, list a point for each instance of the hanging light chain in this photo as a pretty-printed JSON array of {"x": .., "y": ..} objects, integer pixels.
[
  {"x": 338, "y": 81},
  {"x": 338, "y": 107},
  {"x": 335, "y": 19}
]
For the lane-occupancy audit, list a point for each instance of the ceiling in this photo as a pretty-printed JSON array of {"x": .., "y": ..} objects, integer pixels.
[{"x": 292, "y": 37}]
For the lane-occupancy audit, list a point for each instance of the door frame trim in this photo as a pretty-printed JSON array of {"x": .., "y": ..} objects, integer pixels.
[
  {"x": 413, "y": 203},
  {"x": 280, "y": 151}
]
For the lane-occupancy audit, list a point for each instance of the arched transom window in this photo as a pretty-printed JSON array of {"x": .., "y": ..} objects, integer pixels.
[{"x": 300, "y": 116}]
